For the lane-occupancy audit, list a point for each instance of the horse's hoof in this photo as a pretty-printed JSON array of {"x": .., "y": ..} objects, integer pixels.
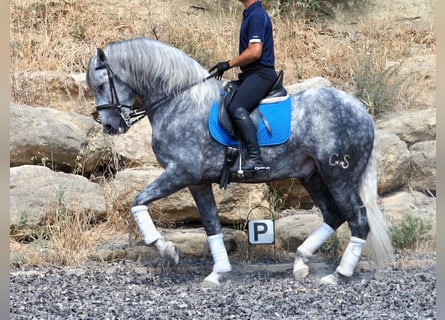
[
  {"x": 167, "y": 250},
  {"x": 301, "y": 270},
  {"x": 212, "y": 280},
  {"x": 331, "y": 279}
]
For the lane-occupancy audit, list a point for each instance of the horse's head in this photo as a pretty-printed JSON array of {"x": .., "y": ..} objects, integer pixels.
[{"x": 113, "y": 98}]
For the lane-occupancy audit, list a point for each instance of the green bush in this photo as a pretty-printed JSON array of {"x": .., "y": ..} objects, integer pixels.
[
  {"x": 410, "y": 232},
  {"x": 378, "y": 86}
]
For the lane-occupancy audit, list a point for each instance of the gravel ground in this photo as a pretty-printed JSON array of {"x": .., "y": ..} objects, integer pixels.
[{"x": 129, "y": 290}]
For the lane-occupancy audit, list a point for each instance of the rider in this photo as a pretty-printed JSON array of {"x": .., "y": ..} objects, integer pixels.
[{"x": 256, "y": 60}]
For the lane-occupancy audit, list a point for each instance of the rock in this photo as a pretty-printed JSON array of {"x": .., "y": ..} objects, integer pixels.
[
  {"x": 392, "y": 162},
  {"x": 422, "y": 173},
  {"x": 290, "y": 193},
  {"x": 64, "y": 141},
  {"x": 52, "y": 89},
  {"x": 178, "y": 207},
  {"x": 411, "y": 126},
  {"x": 401, "y": 203},
  {"x": 37, "y": 194},
  {"x": 134, "y": 147},
  {"x": 191, "y": 243},
  {"x": 292, "y": 230}
]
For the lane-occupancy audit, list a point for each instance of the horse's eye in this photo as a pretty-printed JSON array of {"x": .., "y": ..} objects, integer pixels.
[{"x": 100, "y": 87}]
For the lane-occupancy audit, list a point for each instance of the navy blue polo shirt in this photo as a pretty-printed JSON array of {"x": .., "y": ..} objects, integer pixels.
[{"x": 257, "y": 27}]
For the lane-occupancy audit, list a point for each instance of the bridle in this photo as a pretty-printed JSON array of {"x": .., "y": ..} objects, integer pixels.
[
  {"x": 134, "y": 115},
  {"x": 129, "y": 118}
]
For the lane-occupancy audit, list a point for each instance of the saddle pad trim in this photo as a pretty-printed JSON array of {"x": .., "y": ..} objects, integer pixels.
[{"x": 277, "y": 114}]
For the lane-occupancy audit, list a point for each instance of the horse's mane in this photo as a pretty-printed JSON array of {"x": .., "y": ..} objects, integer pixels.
[{"x": 152, "y": 64}]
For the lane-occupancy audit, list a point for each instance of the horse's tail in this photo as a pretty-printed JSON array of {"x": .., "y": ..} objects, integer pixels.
[{"x": 379, "y": 238}]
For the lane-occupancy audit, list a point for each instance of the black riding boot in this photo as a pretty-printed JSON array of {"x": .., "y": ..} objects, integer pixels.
[{"x": 247, "y": 131}]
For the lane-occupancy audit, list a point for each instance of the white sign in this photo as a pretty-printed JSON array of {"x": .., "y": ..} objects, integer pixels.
[{"x": 261, "y": 232}]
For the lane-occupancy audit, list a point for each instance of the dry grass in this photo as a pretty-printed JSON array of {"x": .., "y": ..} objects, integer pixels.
[{"x": 61, "y": 35}]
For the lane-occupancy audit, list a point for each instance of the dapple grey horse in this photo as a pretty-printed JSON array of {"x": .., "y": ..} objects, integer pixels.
[{"x": 331, "y": 150}]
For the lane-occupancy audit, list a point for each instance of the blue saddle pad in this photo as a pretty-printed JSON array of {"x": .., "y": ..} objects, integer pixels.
[{"x": 277, "y": 114}]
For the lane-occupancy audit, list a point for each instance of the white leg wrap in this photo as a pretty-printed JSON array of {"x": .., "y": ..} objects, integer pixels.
[
  {"x": 145, "y": 224},
  {"x": 316, "y": 240},
  {"x": 351, "y": 256},
  {"x": 219, "y": 253}
]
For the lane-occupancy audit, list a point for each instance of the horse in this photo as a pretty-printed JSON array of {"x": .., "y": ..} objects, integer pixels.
[{"x": 331, "y": 149}]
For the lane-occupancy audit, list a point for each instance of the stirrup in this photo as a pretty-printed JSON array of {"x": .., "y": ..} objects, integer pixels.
[
  {"x": 261, "y": 168},
  {"x": 240, "y": 171}
]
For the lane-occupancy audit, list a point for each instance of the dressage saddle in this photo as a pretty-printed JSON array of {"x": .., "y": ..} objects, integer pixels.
[{"x": 276, "y": 93}]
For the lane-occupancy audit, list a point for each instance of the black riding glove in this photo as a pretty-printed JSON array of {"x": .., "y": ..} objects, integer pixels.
[{"x": 220, "y": 68}]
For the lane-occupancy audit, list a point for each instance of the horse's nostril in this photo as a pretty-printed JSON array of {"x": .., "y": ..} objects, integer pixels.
[{"x": 108, "y": 128}]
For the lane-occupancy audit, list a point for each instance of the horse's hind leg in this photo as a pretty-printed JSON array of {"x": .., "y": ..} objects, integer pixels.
[
  {"x": 205, "y": 201},
  {"x": 354, "y": 211},
  {"x": 332, "y": 219}
]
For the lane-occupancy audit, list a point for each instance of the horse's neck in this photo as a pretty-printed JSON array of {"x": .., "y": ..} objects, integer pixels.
[
  {"x": 159, "y": 105},
  {"x": 162, "y": 110}
]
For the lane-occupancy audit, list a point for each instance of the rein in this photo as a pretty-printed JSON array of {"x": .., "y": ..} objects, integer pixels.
[
  {"x": 163, "y": 100},
  {"x": 135, "y": 115}
]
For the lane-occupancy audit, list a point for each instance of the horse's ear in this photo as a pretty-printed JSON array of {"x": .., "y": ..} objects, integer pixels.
[{"x": 101, "y": 55}]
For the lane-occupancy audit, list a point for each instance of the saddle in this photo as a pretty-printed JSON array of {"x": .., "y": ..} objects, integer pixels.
[{"x": 276, "y": 94}]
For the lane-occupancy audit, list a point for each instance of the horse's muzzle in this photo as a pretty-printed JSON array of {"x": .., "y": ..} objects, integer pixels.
[{"x": 109, "y": 129}]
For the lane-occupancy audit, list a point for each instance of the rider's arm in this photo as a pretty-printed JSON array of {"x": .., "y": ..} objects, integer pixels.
[{"x": 252, "y": 53}]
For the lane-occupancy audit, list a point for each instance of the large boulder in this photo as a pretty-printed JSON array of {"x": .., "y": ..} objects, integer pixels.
[
  {"x": 38, "y": 194},
  {"x": 292, "y": 230},
  {"x": 392, "y": 162},
  {"x": 52, "y": 89},
  {"x": 410, "y": 126},
  {"x": 422, "y": 173},
  {"x": 399, "y": 204},
  {"x": 190, "y": 242},
  {"x": 134, "y": 147},
  {"x": 64, "y": 141},
  {"x": 289, "y": 193}
]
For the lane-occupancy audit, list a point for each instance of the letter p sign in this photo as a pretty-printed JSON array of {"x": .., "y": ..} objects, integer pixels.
[{"x": 261, "y": 232}]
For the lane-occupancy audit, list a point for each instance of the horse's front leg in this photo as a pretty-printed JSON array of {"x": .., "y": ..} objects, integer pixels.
[
  {"x": 205, "y": 201},
  {"x": 166, "y": 184}
]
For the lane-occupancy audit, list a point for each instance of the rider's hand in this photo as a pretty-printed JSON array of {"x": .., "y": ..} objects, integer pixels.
[{"x": 220, "y": 68}]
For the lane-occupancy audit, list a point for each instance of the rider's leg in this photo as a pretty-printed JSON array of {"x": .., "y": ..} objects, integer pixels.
[
  {"x": 247, "y": 132},
  {"x": 254, "y": 87}
]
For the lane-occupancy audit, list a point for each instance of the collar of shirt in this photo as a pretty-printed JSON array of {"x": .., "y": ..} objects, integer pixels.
[{"x": 252, "y": 7}]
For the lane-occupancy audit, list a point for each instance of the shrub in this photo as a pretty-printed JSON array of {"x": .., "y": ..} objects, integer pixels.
[
  {"x": 379, "y": 87},
  {"x": 410, "y": 232}
]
